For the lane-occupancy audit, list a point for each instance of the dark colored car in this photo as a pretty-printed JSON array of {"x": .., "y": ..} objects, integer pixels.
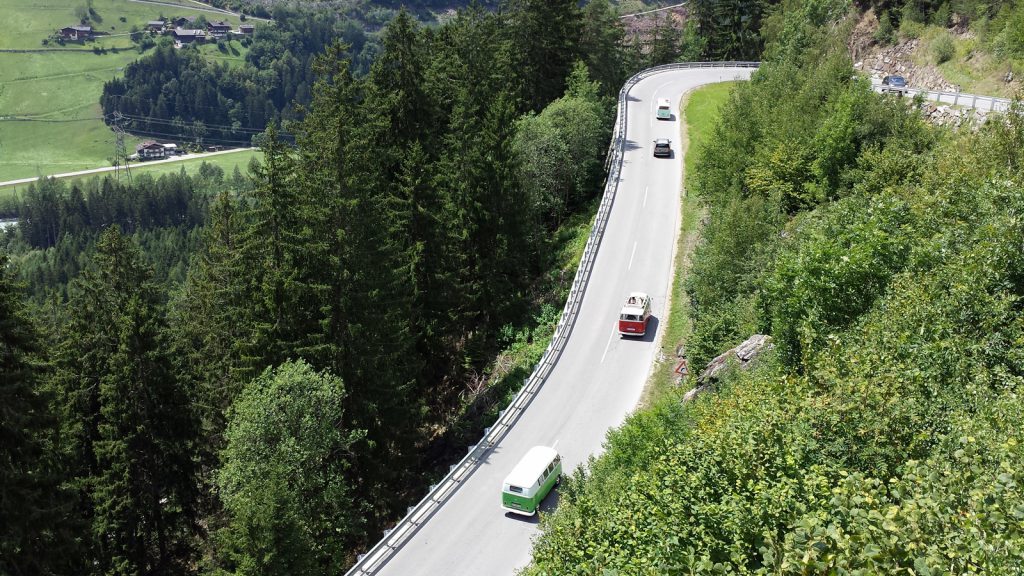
[
  {"x": 663, "y": 147},
  {"x": 896, "y": 84}
]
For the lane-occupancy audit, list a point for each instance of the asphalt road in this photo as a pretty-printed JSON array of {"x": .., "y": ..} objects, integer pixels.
[{"x": 600, "y": 376}]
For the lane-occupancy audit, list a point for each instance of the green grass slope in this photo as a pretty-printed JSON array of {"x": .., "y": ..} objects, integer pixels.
[{"x": 49, "y": 95}]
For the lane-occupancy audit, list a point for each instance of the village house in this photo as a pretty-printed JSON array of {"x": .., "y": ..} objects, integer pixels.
[
  {"x": 76, "y": 32},
  {"x": 246, "y": 29},
  {"x": 155, "y": 25},
  {"x": 184, "y": 22},
  {"x": 150, "y": 150},
  {"x": 218, "y": 29},
  {"x": 184, "y": 36}
]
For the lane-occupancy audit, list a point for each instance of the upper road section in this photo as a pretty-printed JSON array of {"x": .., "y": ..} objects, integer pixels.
[{"x": 597, "y": 379}]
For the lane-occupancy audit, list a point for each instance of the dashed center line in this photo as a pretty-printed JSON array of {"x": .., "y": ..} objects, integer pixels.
[{"x": 631, "y": 257}]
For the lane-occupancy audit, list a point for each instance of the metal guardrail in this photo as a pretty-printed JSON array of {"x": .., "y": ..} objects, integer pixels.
[
  {"x": 439, "y": 493},
  {"x": 975, "y": 101}
]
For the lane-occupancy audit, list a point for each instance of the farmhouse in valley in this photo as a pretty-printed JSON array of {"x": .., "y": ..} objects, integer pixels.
[
  {"x": 76, "y": 32},
  {"x": 187, "y": 36},
  {"x": 150, "y": 150},
  {"x": 218, "y": 29}
]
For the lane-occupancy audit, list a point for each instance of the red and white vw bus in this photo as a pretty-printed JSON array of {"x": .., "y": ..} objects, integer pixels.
[{"x": 635, "y": 315}]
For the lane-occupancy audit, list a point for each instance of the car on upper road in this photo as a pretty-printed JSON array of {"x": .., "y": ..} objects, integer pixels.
[
  {"x": 635, "y": 315},
  {"x": 663, "y": 147},
  {"x": 896, "y": 84}
]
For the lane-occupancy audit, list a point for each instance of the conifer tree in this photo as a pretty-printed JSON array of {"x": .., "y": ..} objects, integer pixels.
[
  {"x": 367, "y": 262},
  {"x": 212, "y": 324},
  {"x": 128, "y": 421},
  {"x": 34, "y": 538},
  {"x": 601, "y": 45},
  {"x": 546, "y": 34}
]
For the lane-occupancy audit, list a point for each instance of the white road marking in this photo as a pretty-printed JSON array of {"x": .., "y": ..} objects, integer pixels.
[
  {"x": 609, "y": 344},
  {"x": 646, "y": 188},
  {"x": 555, "y": 445},
  {"x": 631, "y": 257}
]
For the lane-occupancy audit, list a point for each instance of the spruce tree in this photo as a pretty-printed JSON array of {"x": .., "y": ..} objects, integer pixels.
[
  {"x": 127, "y": 418},
  {"x": 602, "y": 39},
  {"x": 366, "y": 261},
  {"x": 546, "y": 34},
  {"x": 35, "y": 536}
]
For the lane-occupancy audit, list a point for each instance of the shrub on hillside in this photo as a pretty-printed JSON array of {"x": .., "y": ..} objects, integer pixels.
[{"x": 943, "y": 48}]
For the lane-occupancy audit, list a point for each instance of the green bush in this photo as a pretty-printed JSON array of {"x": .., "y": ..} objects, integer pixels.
[
  {"x": 886, "y": 32},
  {"x": 943, "y": 48}
]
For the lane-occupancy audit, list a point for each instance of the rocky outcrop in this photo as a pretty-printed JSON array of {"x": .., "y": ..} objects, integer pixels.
[
  {"x": 743, "y": 356},
  {"x": 897, "y": 60}
]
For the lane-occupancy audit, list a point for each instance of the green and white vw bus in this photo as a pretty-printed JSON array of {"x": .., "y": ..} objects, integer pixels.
[
  {"x": 531, "y": 480},
  {"x": 664, "y": 109}
]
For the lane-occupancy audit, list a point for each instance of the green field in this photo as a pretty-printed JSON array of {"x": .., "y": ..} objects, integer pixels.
[
  {"x": 701, "y": 115},
  {"x": 228, "y": 162},
  {"x": 54, "y": 92}
]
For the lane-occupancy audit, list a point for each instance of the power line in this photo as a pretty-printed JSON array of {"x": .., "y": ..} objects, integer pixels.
[
  {"x": 213, "y": 140},
  {"x": 120, "y": 151},
  {"x": 653, "y": 11},
  {"x": 173, "y": 123}
]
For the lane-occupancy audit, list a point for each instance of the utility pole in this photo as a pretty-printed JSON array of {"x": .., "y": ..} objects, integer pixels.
[{"x": 120, "y": 153}]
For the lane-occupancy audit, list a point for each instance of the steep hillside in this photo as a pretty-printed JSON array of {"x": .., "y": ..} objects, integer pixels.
[
  {"x": 945, "y": 50},
  {"x": 883, "y": 432}
]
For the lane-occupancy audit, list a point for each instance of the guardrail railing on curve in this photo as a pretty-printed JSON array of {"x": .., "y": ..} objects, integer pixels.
[
  {"x": 393, "y": 539},
  {"x": 975, "y": 101}
]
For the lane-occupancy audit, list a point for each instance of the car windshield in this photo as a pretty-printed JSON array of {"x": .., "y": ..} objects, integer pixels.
[{"x": 897, "y": 81}]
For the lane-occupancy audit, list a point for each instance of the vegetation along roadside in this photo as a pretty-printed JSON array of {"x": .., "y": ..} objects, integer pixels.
[{"x": 882, "y": 432}]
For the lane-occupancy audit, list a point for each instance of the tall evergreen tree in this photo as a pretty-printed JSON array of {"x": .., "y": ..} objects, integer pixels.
[
  {"x": 730, "y": 27},
  {"x": 128, "y": 422},
  {"x": 602, "y": 38},
  {"x": 212, "y": 325},
  {"x": 367, "y": 263},
  {"x": 34, "y": 537},
  {"x": 546, "y": 35}
]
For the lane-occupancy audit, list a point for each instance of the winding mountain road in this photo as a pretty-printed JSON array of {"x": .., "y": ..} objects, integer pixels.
[{"x": 599, "y": 376}]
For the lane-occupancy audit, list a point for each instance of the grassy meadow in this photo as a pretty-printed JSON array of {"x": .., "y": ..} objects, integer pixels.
[
  {"x": 50, "y": 118},
  {"x": 228, "y": 162}
]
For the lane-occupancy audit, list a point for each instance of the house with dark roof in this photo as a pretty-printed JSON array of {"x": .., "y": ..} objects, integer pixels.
[
  {"x": 184, "y": 36},
  {"x": 218, "y": 29},
  {"x": 246, "y": 29},
  {"x": 151, "y": 150},
  {"x": 184, "y": 21},
  {"x": 156, "y": 25},
  {"x": 76, "y": 32}
]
